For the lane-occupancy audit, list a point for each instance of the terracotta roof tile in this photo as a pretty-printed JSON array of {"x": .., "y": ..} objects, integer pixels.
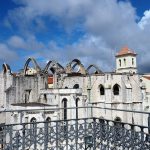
[
  {"x": 147, "y": 77},
  {"x": 125, "y": 51}
]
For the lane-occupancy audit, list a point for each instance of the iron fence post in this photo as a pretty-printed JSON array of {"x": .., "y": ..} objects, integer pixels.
[
  {"x": 85, "y": 132},
  {"x": 23, "y": 136},
  {"x": 149, "y": 123},
  {"x": 76, "y": 138},
  {"x": 57, "y": 144},
  {"x": 35, "y": 135},
  {"x": 94, "y": 133},
  {"x": 66, "y": 134},
  {"x": 46, "y": 135},
  {"x": 11, "y": 130}
]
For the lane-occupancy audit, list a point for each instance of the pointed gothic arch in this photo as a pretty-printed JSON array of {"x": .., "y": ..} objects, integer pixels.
[
  {"x": 53, "y": 66},
  {"x": 97, "y": 70},
  {"x": 6, "y": 68},
  {"x": 36, "y": 66},
  {"x": 116, "y": 89},
  {"x": 101, "y": 89},
  {"x": 70, "y": 68},
  {"x": 64, "y": 104}
]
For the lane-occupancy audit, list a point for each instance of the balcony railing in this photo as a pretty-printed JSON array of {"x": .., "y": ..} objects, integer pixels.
[{"x": 75, "y": 134}]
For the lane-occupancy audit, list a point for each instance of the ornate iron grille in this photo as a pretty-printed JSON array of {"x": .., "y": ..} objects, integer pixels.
[{"x": 72, "y": 134}]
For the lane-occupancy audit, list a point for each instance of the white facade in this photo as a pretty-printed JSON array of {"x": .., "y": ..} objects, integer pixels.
[{"x": 122, "y": 89}]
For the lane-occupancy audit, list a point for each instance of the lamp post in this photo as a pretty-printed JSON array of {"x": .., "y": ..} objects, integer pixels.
[{"x": 88, "y": 142}]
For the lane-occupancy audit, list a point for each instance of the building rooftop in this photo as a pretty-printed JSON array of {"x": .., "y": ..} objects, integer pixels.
[{"x": 126, "y": 51}]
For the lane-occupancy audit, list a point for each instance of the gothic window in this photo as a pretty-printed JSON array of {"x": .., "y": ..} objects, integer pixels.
[
  {"x": 132, "y": 61},
  {"x": 120, "y": 62},
  {"x": 102, "y": 90},
  {"x": 45, "y": 98},
  {"x": 116, "y": 89},
  {"x": 124, "y": 61},
  {"x": 48, "y": 121},
  {"x": 33, "y": 125},
  {"x": 117, "y": 128},
  {"x": 27, "y": 95},
  {"x": 66, "y": 87},
  {"x": 64, "y": 102},
  {"x": 77, "y": 100},
  {"x": 76, "y": 86}
]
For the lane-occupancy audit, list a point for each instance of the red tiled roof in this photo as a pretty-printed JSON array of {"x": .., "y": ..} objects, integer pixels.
[
  {"x": 147, "y": 77},
  {"x": 50, "y": 80},
  {"x": 125, "y": 51}
]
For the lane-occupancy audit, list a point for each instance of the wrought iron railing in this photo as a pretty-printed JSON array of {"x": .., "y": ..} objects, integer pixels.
[{"x": 75, "y": 134}]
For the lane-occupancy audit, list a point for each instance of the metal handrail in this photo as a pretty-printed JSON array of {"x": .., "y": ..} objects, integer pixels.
[{"x": 60, "y": 108}]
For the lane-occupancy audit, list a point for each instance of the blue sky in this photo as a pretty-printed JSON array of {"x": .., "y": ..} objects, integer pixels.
[{"x": 90, "y": 30}]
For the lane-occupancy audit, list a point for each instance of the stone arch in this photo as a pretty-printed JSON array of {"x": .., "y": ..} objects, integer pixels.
[
  {"x": 97, "y": 70},
  {"x": 117, "y": 127},
  {"x": 101, "y": 120},
  {"x": 48, "y": 119},
  {"x": 116, "y": 89},
  {"x": 117, "y": 119},
  {"x": 71, "y": 66},
  {"x": 33, "y": 120},
  {"x": 37, "y": 67},
  {"x": 6, "y": 68},
  {"x": 76, "y": 86},
  {"x": 53, "y": 66}
]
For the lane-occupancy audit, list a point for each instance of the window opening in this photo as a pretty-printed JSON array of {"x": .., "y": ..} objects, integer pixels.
[{"x": 116, "y": 89}]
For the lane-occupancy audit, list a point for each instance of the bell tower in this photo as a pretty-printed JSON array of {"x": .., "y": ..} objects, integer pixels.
[{"x": 126, "y": 61}]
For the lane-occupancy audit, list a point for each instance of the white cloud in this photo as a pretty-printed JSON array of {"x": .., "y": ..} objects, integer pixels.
[
  {"x": 109, "y": 24},
  {"x": 145, "y": 20},
  {"x": 16, "y": 42},
  {"x": 30, "y": 43},
  {"x": 6, "y": 54}
]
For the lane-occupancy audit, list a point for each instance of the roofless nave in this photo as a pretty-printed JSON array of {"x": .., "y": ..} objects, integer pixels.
[{"x": 75, "y": 86}]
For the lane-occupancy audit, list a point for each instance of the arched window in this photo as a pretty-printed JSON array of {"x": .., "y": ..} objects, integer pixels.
[
  {"x": 33, "y": 125},
  {"x": 124, "y": 61},
  {"x": 77, "y": 100},
  {"x": 117, "y": 128},
  {"x": 64, "y": 103},
  {"x": 132, "y": 61},
  {"x": 48, "y": 122},
  {"x": 45, "y": 98},
  {"x": 66, "y": 87},
  {"x": 116, "y": 89},
  {"x": 102, "y": 90},
  {"x": 117, "y": 119},
  {"x": 48, "y": 119},
  {"x": 33, "y": 120},
  {"x": 120, "y": 62},
  {"x": 76, "y": 86}
]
